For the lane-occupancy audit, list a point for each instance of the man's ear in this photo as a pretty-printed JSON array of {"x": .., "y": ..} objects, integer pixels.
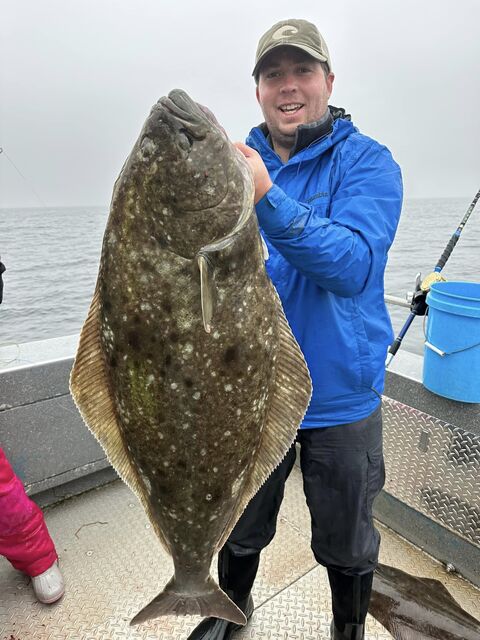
[
  {"x": 257, "y": 94},
  {"x": 330, "y": 79}
]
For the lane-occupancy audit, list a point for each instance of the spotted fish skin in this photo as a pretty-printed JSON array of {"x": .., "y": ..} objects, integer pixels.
[{"x": 187, "y": 371}]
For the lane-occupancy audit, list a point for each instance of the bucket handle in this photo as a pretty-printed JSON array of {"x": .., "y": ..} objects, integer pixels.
[
  {"x": 438, "y": 351},
  {"x": 448, "y": 353},
  {"x": 434, "y": 348}
]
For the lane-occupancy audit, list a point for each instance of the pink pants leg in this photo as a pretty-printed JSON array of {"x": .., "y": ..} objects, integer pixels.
[{"x": 24, "y": 537}]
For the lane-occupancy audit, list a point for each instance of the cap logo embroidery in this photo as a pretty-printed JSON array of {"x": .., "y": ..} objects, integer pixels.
[{"x": 284, "y": 32}]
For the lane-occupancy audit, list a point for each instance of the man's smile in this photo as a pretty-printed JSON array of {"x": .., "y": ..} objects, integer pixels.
[{"x": 292, "y": 107}]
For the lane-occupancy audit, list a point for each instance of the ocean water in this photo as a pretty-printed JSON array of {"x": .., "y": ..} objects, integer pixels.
[{"x": 52, "y": 259}]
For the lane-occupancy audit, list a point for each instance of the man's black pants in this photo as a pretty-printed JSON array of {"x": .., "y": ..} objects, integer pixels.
[{"x": 343, "y": 471}]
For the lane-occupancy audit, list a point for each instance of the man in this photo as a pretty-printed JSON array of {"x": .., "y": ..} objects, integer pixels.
[{"x": 328, "y": 201}]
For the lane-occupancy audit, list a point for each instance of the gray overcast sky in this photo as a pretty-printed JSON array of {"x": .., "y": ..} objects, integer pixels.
[{"x": 78, "y": 78}]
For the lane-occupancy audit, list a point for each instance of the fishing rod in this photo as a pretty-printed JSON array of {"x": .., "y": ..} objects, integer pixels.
[
  {"x": 2, "y": 150},
  {"x": 418, "y": 305}
]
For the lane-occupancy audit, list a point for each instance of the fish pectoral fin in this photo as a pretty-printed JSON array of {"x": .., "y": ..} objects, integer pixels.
[
  {"x": 212, "y": 602},
  {"x": 292, "y": 389},
  {"x": 207, "y": 290},
  {"x": 90, "y": 389},
  {"x": 266, "y": 255}
]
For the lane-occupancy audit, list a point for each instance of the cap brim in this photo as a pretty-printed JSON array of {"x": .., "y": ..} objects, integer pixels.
[{"x": 303, "y": 47}]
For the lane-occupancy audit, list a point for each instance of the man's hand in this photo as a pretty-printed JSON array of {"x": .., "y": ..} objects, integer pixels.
[{"x": 259, "y": 170}]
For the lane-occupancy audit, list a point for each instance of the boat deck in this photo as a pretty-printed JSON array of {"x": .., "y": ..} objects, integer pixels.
[{"x": 113, "y": 565}]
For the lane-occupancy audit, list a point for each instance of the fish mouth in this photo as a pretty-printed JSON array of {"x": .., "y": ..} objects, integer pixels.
[
  {"x": 189, "y": 123},
  {"x": 186, "y": 112}
]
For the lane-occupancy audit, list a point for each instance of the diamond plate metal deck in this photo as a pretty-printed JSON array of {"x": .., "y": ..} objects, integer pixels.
[
  {"x": 113, "y": 566},
  {"x": 434, "y": 467}
]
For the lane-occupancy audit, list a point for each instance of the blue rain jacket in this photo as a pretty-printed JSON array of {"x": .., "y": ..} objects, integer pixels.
[{"x": 328, "y": 222}]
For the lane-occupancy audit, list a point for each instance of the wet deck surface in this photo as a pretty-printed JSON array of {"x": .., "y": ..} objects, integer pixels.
[{"x": 113, "y": 566}]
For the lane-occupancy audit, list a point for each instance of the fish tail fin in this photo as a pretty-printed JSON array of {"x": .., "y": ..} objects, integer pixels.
[{"x": 210, "y": 602}]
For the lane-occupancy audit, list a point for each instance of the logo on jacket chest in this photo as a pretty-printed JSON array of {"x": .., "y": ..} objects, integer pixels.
[{"x": 319, "y": 194}]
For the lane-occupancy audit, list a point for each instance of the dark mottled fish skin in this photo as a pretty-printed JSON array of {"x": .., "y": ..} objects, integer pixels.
[
  {"x": 197, "y": 376},
  {"x": 412, "y": 608}
]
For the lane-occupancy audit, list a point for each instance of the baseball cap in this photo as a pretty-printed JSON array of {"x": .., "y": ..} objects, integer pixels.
[{"x": 293, "y": 33}]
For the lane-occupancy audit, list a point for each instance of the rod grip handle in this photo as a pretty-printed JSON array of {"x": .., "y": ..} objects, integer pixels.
[{"x": 447, "y": 251}]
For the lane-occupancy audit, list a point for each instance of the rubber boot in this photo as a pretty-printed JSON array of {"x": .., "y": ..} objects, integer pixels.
[
  {"x": 350, "y": 632},
  {"x": 236, "y": 577},
  {"x": 350, "y": 600}
]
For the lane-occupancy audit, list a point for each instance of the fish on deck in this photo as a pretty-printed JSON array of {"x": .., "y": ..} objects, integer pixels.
[
  {"x": 413, "y": 608},
  {"x": 187, "y": 371}
]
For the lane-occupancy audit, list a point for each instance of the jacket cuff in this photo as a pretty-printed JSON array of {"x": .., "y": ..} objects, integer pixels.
[{"x": 273, "y": 212}]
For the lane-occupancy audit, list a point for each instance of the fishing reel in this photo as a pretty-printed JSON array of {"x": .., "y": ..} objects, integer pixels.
[{"x": 418, "y": 298}]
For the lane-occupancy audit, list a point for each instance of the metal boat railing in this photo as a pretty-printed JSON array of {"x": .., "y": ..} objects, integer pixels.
[
  {"x": 398, "y": 302},
  {"x": 432, "y": 448}
]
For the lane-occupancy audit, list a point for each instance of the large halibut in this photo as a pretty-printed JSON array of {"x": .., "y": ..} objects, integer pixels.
[{"x": 187, "y": 371}]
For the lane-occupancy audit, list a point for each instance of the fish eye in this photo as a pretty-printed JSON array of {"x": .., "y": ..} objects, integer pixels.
[
  {"x": 147, "y": 146},
  {"x": 186, "y": 138}
]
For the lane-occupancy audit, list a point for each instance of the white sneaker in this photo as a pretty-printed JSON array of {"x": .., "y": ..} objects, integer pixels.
[{"x": 49, "y": 585}]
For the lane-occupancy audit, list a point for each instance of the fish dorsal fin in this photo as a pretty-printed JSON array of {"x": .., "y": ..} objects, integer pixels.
[
  {"x": 287, "y": 406},
  {"x": 91, "y": 392}
]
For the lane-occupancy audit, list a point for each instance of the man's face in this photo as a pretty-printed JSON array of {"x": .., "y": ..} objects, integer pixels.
[{"x": 292, "y": 90}]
